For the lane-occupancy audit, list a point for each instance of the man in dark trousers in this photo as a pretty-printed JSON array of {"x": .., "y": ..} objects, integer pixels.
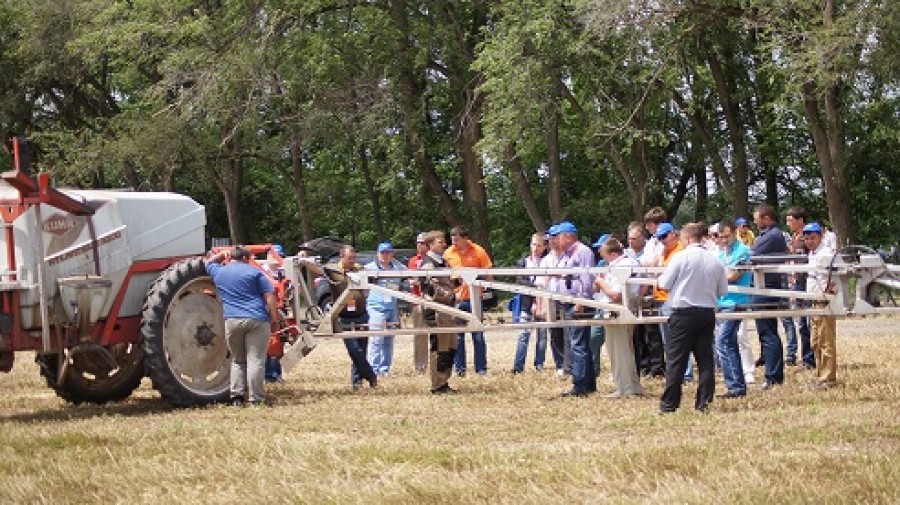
[
  {"x": 769, "y": 242},
  {"x": 694, "y": 279},
  {"x": 251, "y": 315}
]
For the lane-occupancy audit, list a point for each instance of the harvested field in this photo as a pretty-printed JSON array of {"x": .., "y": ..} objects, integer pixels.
[{"x": 504, "y": 438}]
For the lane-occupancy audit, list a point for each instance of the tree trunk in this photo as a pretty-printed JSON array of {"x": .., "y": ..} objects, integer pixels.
[
  {"x": 828, "y": 138},
  {"x": 298, "y": 186},
  {"x": 374, "y": 195},
  {"x": 735, "y": 134},
  {"x": 523, "y": 189},
  {"x": 230, "y": 182},
  {"x": 411, "y": 89},
  {"x": 554, "y": 164}
]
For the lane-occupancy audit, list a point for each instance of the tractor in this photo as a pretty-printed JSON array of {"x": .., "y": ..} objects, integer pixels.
[{"x": 109, "y": 286}]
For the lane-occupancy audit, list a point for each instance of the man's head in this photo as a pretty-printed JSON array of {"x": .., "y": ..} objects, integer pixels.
[
  {"x": 764, "y": 216},
  {"x": 459, "y": 235},
  {"x": 653, "y": 218},
  {"x": 666, "y": 234},
  {"x": 435, "y": 241},
  {"x": 727, "y": 233},
  {"x": 636, "y": 238},
  {"x": 568, "y": 234},
  {"x": 795, "y": 218},
  {"x": 537, "y": 246},
  {"x": 812, "y": 235},
  {"x": 241, "y": 253},
  {"x": 348, "y": 256},
  {"x": 692, "y": 233},
  {"x": 421, "y": 246},
  {"x": 385, "y": 253},
  {"x": 611, "y": 249}
]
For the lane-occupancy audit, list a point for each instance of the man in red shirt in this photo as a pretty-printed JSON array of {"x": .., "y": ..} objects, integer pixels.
[{"x": 465, "y": 253}]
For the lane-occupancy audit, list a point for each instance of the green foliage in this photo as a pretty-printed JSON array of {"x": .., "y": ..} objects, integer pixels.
[{"x": 277, "y": 105}]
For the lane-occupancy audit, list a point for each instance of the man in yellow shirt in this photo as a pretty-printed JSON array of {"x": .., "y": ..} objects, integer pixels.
[{"x": 465, "y": 253}]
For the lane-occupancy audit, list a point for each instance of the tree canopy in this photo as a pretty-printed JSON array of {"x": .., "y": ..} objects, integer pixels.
[{"x": 377, "y": 119}]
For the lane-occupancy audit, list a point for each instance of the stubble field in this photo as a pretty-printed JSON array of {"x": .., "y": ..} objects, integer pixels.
[{"x": 503, "y": 439}]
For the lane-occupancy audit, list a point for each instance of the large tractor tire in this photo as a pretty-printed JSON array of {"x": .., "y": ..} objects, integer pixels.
[
  {"x": 93, "y": 378},
  {"x": 183, "y": 336}
]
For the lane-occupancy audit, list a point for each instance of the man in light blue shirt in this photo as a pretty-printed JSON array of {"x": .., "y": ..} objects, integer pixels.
[
  {"x": 382, "y": 309},
  {"x": 732, "y": 254}
]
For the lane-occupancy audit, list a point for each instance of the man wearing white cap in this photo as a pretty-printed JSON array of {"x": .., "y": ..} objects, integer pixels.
[{"x": 824, "y": 328}]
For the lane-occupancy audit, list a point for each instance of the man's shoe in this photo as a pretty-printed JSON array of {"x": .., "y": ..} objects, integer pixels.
[
  {"x": 460, "y": 373},
  {"x": 236, "y": 401},
  {"x": 574, "y": 393},
  {"x": 665, "y": 412},
  {"x": 760, "y": 362},
  {"x": 732, "y": 394},
  {"x": 444, "y": 390},
  {"x": 809, "y": 366},
  {"x": 481, "y": 373},
  {"x": 373, "y": 382},
  {"x": 767, "y": 385},
  {"x": 515, "y": 371},
  {"x": 790, "y": 362}
]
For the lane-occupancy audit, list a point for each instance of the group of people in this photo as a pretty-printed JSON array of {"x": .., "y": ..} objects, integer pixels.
[{"x": 699, "y": 263}]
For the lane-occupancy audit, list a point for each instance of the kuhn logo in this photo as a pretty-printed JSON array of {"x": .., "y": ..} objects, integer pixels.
[{"x": 59, "y": 224}]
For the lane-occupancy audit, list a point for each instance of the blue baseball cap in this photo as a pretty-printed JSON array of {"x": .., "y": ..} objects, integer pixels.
[
  {"x": 813, "y": 228},
  {"x": 553, "y": 230},
  {"x": 385, "y": 247},
  {"x": 601, "y": 240},
  {"x": 279, "y": 249},
  {"x": 740, "y": 221},
  {"x": 566, "y": 227},
  {"x": 664, "y": 229}
]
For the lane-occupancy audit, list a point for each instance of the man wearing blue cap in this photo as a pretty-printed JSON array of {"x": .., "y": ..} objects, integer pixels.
[
  {"x": 824, "y": 328},
  {"x": 577, "y": 255},
  {"x": 382, "y": 309}
]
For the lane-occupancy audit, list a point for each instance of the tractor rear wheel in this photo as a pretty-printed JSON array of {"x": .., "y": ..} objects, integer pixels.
[
  {"x": 183, "y": 336},
  {"x": 92, "y": 378}
]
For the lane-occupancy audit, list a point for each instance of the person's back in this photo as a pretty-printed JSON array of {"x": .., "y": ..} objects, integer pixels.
[{"x": 240, "y": 287}]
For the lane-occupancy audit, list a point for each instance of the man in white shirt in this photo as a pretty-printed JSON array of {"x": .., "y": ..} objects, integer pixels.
[
  {"x": 824, "y": 328},
  {"x": 695, "y": 279},
  {"x": 619, "y": 343}
]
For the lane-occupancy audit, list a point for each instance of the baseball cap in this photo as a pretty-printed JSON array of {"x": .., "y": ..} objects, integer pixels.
[
  {"x": 813, "y": 228},
  {"x": 566, "y": 227},
  {"x": 740, "y": 221},
  {"x": 421, "y": 237},
  {"x": 714, "y": 229},
  {"x": 279, "y": 249},
  {"x": 601, "y": 240},
  {"x": 385, "y": 247},
  {"x": 664, "y": 229},
  {"x": 553, "y": 230}
]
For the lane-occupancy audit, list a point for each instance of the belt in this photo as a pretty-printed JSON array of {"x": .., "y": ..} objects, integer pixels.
[{"x": 687, "y": 310}]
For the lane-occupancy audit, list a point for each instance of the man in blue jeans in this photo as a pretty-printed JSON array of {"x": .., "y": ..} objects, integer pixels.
[
  {"x": 577, "y": 255},
  {"x": 732, "y": 254},
  {"x": 465, "y": 253},
  {"x": 769, "y": 242},
  {"x": 522, "y": 307},
  {"x": 796, "y": 220}
]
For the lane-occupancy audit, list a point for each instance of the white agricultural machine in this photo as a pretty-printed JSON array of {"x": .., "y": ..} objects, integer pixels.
[{"x": 107, "y": 286}]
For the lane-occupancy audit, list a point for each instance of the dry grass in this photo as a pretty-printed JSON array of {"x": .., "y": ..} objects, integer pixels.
[{"x": 503, "y": 439}]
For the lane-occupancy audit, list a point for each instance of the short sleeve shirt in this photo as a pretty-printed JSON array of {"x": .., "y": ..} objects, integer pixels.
[
  {"x": 242, "y": 288},
  {"x": 474, "y": 257}
]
